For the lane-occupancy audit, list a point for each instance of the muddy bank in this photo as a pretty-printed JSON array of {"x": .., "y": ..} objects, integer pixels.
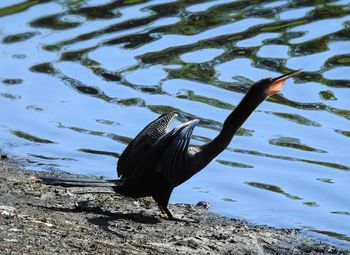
[{"x": 40, "y": 219}]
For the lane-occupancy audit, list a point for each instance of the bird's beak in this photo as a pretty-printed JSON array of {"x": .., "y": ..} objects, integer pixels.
[{"x": 277, "y": 83}]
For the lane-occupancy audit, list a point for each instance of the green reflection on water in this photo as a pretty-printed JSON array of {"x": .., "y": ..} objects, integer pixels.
[
  {"x": 294, "y": 143},
  {"x": 30, "y": 137},
  {"x": 297, "y": 119},
  {"x": 272, "y": 188},
  {"x": 233, "y": 164},
  {"x": 325, "y": 180},
  {"x": 311, "y": 204},
  {"x": 322, "y": 163},
  {"x": 341, "y": 213},
  {"x": 18, "y": 7},
  {"x": 97, "y": 152},
  {"x": 332, "y": 234}
]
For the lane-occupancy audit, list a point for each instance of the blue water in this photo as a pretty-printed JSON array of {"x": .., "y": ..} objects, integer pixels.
[{"x": 79, "y": 79}]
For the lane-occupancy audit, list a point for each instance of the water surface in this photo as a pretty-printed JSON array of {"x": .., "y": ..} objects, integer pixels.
[{"x": 79, "y": 79}]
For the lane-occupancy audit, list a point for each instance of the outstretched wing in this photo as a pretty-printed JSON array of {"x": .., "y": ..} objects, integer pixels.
[
  {"x": 171, "y": 153},
  {"x": 132, "y": 162}
]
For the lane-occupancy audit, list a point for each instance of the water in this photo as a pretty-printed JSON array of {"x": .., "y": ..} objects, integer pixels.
[{"x": 79, "y": 79}]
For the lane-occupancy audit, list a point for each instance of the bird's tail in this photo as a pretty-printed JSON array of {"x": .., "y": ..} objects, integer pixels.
[{"x": 75, "y": 182}]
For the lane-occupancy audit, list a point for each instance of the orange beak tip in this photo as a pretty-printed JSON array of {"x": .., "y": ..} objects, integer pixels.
[{"x": 277, "y": 83}]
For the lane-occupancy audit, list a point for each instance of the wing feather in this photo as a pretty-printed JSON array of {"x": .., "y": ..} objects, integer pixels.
[
  {"x": 132, "y": 162},
  {"x": 171, "y": 153}
]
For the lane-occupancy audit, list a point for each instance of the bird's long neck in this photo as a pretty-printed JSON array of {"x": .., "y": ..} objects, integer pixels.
[{"x": 231, "y": 125}]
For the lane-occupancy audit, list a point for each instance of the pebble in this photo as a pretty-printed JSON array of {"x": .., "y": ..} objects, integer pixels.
[
  {"x": 7, "y": 211},
  {"x": 15, "y": 230},
  {"x": 7, "y": 208},
  {"x": 10, "y": 240},
  {"x": 203, "y": 204},
  {"x": 48, "y": 195}
]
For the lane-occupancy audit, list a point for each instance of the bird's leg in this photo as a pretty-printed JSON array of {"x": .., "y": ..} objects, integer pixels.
[
  {"x": 165, "y": 213},
  {"x": 169, "y": 214},
  {"x": 162, "y": 202}
]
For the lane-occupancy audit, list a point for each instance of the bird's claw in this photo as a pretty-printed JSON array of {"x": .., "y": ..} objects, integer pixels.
[{"x": 177, "y": 219}]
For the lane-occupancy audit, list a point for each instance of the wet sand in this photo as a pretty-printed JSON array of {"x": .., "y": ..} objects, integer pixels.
[{"x": 40, "y": 219}]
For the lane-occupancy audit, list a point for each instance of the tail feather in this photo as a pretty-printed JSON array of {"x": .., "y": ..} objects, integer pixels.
[{"x": 74, "y": 182}]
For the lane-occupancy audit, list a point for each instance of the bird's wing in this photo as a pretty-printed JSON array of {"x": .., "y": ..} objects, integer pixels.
[
  {"x": 132, "y": 162},
  {"x": 171, "y": 153}
]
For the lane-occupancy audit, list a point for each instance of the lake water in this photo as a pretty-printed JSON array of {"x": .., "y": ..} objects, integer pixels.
[{"x": 79, "y": 79}]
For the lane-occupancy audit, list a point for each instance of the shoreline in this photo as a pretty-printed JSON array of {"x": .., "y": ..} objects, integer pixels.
[{"x": 40, "y": 219}]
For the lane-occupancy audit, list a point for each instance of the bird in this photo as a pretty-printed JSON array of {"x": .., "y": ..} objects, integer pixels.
[{"x": 159, "y": 158}]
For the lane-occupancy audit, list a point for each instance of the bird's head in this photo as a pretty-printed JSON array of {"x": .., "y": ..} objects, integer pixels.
[{"x": 271, "y": 86}]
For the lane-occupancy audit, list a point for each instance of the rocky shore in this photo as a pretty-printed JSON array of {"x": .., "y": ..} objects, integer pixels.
[{"x": 40, "y": 219}]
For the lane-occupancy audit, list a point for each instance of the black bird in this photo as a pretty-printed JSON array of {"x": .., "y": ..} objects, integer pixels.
[{"x": 160, "y": 159}]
